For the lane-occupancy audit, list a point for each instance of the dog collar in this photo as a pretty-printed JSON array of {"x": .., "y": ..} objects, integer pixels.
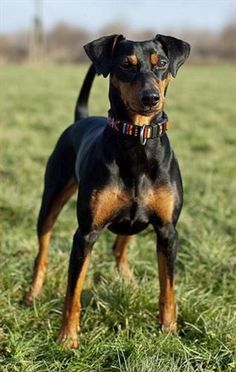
[{"x": 144, "y": 132}]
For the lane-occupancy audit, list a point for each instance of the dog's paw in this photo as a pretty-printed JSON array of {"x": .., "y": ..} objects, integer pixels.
[
  {"x": 169, "y": 328},
  {"x": 28, "y": 298},
  {"x": 68, "y": 339}
]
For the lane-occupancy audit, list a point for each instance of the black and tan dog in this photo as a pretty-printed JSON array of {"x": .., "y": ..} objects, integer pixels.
[{"x": 123, "y": 166}]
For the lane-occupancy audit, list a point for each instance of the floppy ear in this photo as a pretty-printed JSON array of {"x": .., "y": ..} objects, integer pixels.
[
  {"x": 177, "y": 51},
  {"x": 101, "y": 50}
]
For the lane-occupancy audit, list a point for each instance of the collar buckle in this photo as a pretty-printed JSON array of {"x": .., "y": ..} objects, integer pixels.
[{"x": 141, "y": 136}]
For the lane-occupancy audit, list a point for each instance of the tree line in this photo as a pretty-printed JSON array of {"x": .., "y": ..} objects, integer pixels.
[{"x": 64, "y": 43}]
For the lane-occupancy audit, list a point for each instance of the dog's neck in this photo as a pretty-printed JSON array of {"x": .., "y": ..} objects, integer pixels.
[{"x": 132, "y": 157}]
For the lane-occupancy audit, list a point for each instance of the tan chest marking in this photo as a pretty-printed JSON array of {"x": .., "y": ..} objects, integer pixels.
[
  {"x": 162, "y": 201},
  {"x": 106, "y": 202}
]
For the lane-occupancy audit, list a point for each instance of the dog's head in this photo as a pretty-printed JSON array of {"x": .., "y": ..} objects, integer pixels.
[{"x": 139, "y": 70}]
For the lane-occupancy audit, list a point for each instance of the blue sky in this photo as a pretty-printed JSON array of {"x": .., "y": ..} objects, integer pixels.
[{"x": 95, "y": 14}]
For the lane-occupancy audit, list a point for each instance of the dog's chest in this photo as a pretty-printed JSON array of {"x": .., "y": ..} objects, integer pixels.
[
  {"x": 130, "y": 218},
  {"x": 130, "y": 211}
]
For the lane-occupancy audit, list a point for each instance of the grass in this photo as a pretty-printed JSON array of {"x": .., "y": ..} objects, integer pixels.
[{"x": 119, "y": 331}]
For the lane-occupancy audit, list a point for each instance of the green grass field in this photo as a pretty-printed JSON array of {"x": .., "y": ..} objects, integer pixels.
[{"x": 119, "y": 330}]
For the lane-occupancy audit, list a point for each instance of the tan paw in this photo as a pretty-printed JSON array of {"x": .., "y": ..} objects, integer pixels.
[
  {"x": 68, "y": 339},
  {"x": 28, "y": 298},
  {"x": 169, "y": 328}
]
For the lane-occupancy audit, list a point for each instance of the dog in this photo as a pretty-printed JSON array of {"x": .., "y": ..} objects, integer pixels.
[{"x": 123, "y": 166}]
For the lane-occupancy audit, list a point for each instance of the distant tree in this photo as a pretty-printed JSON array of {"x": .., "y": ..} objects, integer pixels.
[
  {"x": 14, "y": 47},
  {"x": 228, "y": 42},
  {"x": 65, "y": 43},
  {"x": 37, "y": 35}
]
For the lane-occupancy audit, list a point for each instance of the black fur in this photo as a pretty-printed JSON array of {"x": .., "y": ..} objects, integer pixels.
[{"x": 92, "y": 154}]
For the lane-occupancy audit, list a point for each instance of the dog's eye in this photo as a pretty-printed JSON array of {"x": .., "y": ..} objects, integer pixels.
[
  {"x": 161, "y": 63},
  {"x": 126, "y": 65}
]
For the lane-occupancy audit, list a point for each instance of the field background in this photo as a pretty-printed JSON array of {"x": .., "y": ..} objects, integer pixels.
[{"x": 119, "y": 331}]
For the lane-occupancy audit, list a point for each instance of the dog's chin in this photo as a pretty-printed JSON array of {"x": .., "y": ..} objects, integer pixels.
[
  {"x": 148, "y": 112},
  {"x": 142, "y": 117},
  {"x": 143, "y": 111}
]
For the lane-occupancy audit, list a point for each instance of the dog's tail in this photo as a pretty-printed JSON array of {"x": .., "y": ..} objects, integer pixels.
[{"x": 81, "y": 107}]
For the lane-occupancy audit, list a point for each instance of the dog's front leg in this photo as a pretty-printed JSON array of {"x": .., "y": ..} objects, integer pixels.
[
  {"x": 79, "y": 262},
  {"x": 167, "y": 244}
]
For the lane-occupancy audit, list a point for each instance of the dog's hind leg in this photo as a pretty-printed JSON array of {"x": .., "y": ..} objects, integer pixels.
[
  {"x": 60, "y": 185},
  {"x": 120, "y": 251}
]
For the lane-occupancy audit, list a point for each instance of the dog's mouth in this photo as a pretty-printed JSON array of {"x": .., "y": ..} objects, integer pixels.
[
  {"x": 147, "y": 111},
  {"x": 142, "y": 116}
]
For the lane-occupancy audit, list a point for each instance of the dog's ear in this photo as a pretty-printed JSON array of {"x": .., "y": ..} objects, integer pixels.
[
  {"x": 101, "y": 50},
  {"x": 177, "y": 51}
]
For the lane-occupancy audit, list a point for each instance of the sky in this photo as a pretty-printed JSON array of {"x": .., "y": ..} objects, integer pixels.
[{"x": 138, "y": 14}]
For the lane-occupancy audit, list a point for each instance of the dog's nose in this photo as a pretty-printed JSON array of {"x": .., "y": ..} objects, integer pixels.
[{"x": 149, "y": 98}]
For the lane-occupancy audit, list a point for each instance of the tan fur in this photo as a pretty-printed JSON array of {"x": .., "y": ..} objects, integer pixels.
[
  {"x": 141, "y": 120},
  {"x": 167, "y": 305},
  {"x": 72, "y": 308},
  {"x": 106, "y": 202},
  {"x": 154, "y": 58},
  {"x": 162, "y": 85},
  {"x": 44, "y": 239},
  {"x": 133, "y": 59},
  {"x": 161, "y": 200},
  {"x": 120, "y": 251}
]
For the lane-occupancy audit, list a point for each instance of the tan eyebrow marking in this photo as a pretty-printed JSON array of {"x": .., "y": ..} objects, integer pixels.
[
  {"x": 133, "y": 59},
  {"x": 154, "y": 58}
]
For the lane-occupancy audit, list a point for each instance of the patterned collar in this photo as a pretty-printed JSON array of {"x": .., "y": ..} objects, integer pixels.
[{"x": 144, "y": 132}]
